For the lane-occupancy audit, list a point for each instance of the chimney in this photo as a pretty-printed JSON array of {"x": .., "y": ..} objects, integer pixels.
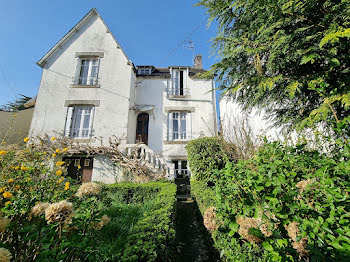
[{"x": 198, "y": 62}]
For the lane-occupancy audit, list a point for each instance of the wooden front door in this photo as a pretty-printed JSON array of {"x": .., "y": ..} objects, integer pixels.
[
  {"x": 79, "y": 168},
  {"x": 142, "y": 128}
]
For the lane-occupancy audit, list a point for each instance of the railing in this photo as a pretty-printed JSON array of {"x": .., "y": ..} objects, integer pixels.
[
  {"x": 143, "y": 152},
  {"x": 79, "y": 133},
  {"x": 89, "y": 80},
  {"x": 179, "y": 92}
]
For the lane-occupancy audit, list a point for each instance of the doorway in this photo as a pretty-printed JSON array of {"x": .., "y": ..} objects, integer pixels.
[
  {"x": 79, "y": 168},
  {"x": 142, "y": 128}
]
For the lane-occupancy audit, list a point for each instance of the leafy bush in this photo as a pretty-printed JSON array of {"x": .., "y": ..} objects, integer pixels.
[
  {"x": 46, "y": 217},
  {"x": 205, "y": 155},
  {"x": 286, "y": 203},
  {"x": 153, "y": 236},
  {"x": 41, "y": 217}
]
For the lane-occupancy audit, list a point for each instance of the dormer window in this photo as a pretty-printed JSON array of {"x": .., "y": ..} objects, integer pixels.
[{"x": 144, "y": 71}]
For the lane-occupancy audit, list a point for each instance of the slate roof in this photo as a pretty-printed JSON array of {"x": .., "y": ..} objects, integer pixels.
[{"x": 165, "y": 71}]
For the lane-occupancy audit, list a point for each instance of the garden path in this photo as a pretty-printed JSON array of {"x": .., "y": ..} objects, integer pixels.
[{"x": 193, "y": 242}]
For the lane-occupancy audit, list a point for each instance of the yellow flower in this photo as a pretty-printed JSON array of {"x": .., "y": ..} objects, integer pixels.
[
  {"x": 53, "y": 138},
  {"x": 2, "y": 189},
  {"x": 14, "y": 115},
  {"x": 44, "y": 153},
  {"x": 26, "y": 139},
  {"x": 66, "y": 188},
  {"x": 7, "y": 203},
  {"x": 59, "y": 172},
  {"x": 7, "y": 194},
  {"x": 28, "y": 179},
  {"x": 17, "y": 167},
  {"x": 58, "y": 150},
  {"x": 11, "y": 180},
  {"x": 60, "y": 163},
  {"x": 2, "y": 152},
  {"x": 17, "y": 186},
  {"x": 24, "y": 168},
  {"x": 64, "y": 149},
  {"x": 67, "y": 184},
  {"x": 5, "y": 255},
  {"x": 79, "y": 167},
  {"x": 53, "y": 155}
]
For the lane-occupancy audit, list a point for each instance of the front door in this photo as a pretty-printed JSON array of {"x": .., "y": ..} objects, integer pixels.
[
  {"x": 79, "y": 168},
  {"x": 142, "y": 128}
]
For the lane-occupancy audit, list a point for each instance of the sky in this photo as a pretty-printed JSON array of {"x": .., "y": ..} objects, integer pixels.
[{"x": 148, "y": 32}]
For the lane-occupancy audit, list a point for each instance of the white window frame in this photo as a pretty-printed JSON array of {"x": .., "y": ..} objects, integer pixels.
[
  {"x": 144, "y": 71},
  {"x": 89, "y": 79},
  {"x": 180, "y": 170},
  {"x": 176, "y": 89},
  {"x": 76, "y": 116},
  {"x": 181, "y": 118}
]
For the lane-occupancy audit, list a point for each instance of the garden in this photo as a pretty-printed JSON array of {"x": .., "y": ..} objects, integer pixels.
[
  {"x": 46, "y": 216},
  {"x": 285, "y": 203}
]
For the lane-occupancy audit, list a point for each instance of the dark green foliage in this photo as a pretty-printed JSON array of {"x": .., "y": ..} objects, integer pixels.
[
  {"x": 290, "y": 57},
  {"x": 205, "y": 155},
  {"x": 268, "y": 185},
  {"x": 152, "y": 236},
  {"x": 16, "y": 105},
  {"x": 205, "y": 195}
]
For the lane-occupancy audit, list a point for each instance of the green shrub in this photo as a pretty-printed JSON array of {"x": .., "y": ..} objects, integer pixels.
[
  {"x": 282, "y": 185},
  {"x": 153, "y": 236},
  {"x": 205, "y": 155}
]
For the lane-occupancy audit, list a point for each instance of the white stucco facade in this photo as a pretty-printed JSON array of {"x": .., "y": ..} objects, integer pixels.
[
  {"x": 234, "y": 122},
  {"x": 117, "y": 96}
]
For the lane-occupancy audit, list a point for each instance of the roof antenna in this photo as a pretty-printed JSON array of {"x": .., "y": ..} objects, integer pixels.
[{"x": 190, "y": 45}]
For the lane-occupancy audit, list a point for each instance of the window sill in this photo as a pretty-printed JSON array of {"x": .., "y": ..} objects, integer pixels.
[
  {"x": 175, "y": 142},
  {"x": 84, "y": 86}
]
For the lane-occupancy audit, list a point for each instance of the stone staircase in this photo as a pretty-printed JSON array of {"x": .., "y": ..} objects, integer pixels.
[{"x": 152, "y": 160}]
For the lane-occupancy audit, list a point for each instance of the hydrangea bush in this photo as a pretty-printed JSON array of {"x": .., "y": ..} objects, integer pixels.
[{"x": 45, "y": 215}]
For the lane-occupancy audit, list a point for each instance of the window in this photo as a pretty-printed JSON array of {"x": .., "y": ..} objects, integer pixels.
[
  {"x": 144, "y": 71},
  {"x": 88, "y": 71},
  {"x": 79, "y": 121},
  {"x": 180, "y": 168},
  {"x": 179, "y": 126},
  {"x": 179, "y": 80}
]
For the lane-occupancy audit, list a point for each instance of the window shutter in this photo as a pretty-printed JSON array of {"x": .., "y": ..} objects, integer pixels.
[
  {"x": 68, "y": 121},
  {"x": 91, "y": 121},
  {"x": 188, "y": 126},
  {"x": 77, "y": 72},
  {"x": 170, "y": 126}
]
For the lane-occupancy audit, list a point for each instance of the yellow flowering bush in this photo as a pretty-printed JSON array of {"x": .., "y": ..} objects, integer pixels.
[{"x": 41, "y": 217}]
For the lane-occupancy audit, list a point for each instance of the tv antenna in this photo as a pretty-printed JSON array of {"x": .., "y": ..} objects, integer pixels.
[{"x": 190, "y": 45}]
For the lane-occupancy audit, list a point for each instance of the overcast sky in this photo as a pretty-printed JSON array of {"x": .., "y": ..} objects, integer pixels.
[{"x": 147, "y": 30}]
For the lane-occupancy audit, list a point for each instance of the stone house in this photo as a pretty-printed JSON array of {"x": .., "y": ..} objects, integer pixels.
[{"x": 90, "y": 91}]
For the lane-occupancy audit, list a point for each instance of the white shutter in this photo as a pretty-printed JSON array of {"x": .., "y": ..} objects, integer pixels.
[
  {"x": 91, "y": 121},
  {"x": 172, "y": 81},
  {"x": 68, "y": 121},
  {"x": 188, "y": 126},
  {"x": 170, "y": 126},
  {"x": 77, "y": 72}
]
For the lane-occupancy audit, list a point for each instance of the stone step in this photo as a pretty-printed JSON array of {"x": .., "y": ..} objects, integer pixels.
[{"x": 184, "y": 198}]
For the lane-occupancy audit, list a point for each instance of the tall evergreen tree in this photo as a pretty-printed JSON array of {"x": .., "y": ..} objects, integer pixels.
[
  {"x": 290, "y": 57},
  {"x": 17, "y": 104}
]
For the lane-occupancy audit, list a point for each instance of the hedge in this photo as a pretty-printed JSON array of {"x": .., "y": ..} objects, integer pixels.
[
  {"x": 153, "y": 236},
  {"x": 288, "y": 203},
  {"x": 205, "y": 155}
]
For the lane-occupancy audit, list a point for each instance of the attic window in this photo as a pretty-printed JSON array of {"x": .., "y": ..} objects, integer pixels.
[{"x": 144, "y": 71}]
